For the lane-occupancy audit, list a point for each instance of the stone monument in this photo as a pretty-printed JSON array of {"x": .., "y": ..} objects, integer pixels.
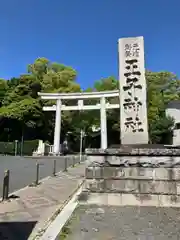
[
  {"x": 136, "y": 172},
  {"x": 133, "y": 108}
]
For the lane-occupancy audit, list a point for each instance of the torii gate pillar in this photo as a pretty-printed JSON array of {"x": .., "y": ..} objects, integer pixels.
[
  {"x": 57, "y": 129},
  {"x": 103, "y": 123}
]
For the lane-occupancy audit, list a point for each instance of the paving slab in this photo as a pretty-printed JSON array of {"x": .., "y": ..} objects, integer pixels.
[{"x": 32, "y": 207}]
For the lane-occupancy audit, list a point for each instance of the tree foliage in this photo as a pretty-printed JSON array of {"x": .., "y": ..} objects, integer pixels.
[{"x": 21, "y": 108}]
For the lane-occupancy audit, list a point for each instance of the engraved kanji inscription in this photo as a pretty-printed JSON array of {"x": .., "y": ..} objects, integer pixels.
[
  {"x": 133, "y": 104},
  {"x": 132, "y": 75},
  {"x": 135, "y": 125},
  {"x": 132, "y": 50}
]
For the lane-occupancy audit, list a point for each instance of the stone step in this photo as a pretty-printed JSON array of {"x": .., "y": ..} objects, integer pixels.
[{"x": 124, "y": 199}]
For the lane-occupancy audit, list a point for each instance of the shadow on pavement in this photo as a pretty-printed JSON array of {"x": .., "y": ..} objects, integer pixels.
[{"x": 16, "y": 230}]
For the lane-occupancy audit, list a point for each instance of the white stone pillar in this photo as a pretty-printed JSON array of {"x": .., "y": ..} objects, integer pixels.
[
  {"x": 103, "y": 123},
  {"x": 57, "y": 130},
  {"x": 133, "y": 88}
]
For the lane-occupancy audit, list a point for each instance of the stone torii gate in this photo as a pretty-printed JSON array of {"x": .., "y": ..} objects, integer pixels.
[{"x": 102, "y": 106}]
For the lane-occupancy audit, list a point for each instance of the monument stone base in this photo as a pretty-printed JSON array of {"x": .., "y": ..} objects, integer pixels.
[{"x": 143, "y": 171}]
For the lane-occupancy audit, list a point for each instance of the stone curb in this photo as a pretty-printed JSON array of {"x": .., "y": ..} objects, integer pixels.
[{"x": 55, "y": 223}]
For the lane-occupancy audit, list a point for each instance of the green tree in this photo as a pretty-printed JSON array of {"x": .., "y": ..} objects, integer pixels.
[
  {"x": 106, "y": 84},
  {"x": 3, "y": 89},
  {"x": 162, "y": 88},
  {"x": 21, "y": 103}
]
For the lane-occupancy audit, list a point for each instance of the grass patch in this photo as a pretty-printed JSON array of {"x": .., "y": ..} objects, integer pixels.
[
  {"x": 65, "y": 232},
  {"x": 67, "y": 229}
]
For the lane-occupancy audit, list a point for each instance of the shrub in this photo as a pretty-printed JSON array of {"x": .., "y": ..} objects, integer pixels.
[{"x": 27, "y": 147}]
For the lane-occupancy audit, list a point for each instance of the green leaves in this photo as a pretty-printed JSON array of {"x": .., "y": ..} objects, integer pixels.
[
  {"x": 20, "y": 110},
  {"x": 3, "y": 89},
  {"x": 106, "y": 84},
  {"x": 160, "y": 130},
  {"x": 162, "y": 88}
]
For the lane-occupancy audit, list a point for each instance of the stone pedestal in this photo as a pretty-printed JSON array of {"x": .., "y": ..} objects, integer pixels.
[{"x": 142, "y": 172}]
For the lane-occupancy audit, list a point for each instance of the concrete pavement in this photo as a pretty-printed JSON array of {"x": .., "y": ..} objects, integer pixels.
[{"x": 32, "y": 208}]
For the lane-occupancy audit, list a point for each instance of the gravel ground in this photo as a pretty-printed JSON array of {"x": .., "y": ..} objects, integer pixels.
[{"x": 124, "y": 223}]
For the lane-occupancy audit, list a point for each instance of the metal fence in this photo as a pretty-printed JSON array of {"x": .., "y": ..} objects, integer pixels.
[{"x": 17, "y": 172}]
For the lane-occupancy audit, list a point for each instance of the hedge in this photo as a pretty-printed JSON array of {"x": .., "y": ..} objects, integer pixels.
[{"x": 27, "y": 148}]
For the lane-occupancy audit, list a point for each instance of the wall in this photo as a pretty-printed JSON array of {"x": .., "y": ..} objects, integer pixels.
[
  {"x": 133, "y": 179},
  {"x": 139, "y": 180},
  {"x": 175, "y": 113},
  {"x": 176, "y": 137}
]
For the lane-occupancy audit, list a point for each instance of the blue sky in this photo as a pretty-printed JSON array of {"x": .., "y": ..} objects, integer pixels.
[{"x": 84, "y": 34}]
